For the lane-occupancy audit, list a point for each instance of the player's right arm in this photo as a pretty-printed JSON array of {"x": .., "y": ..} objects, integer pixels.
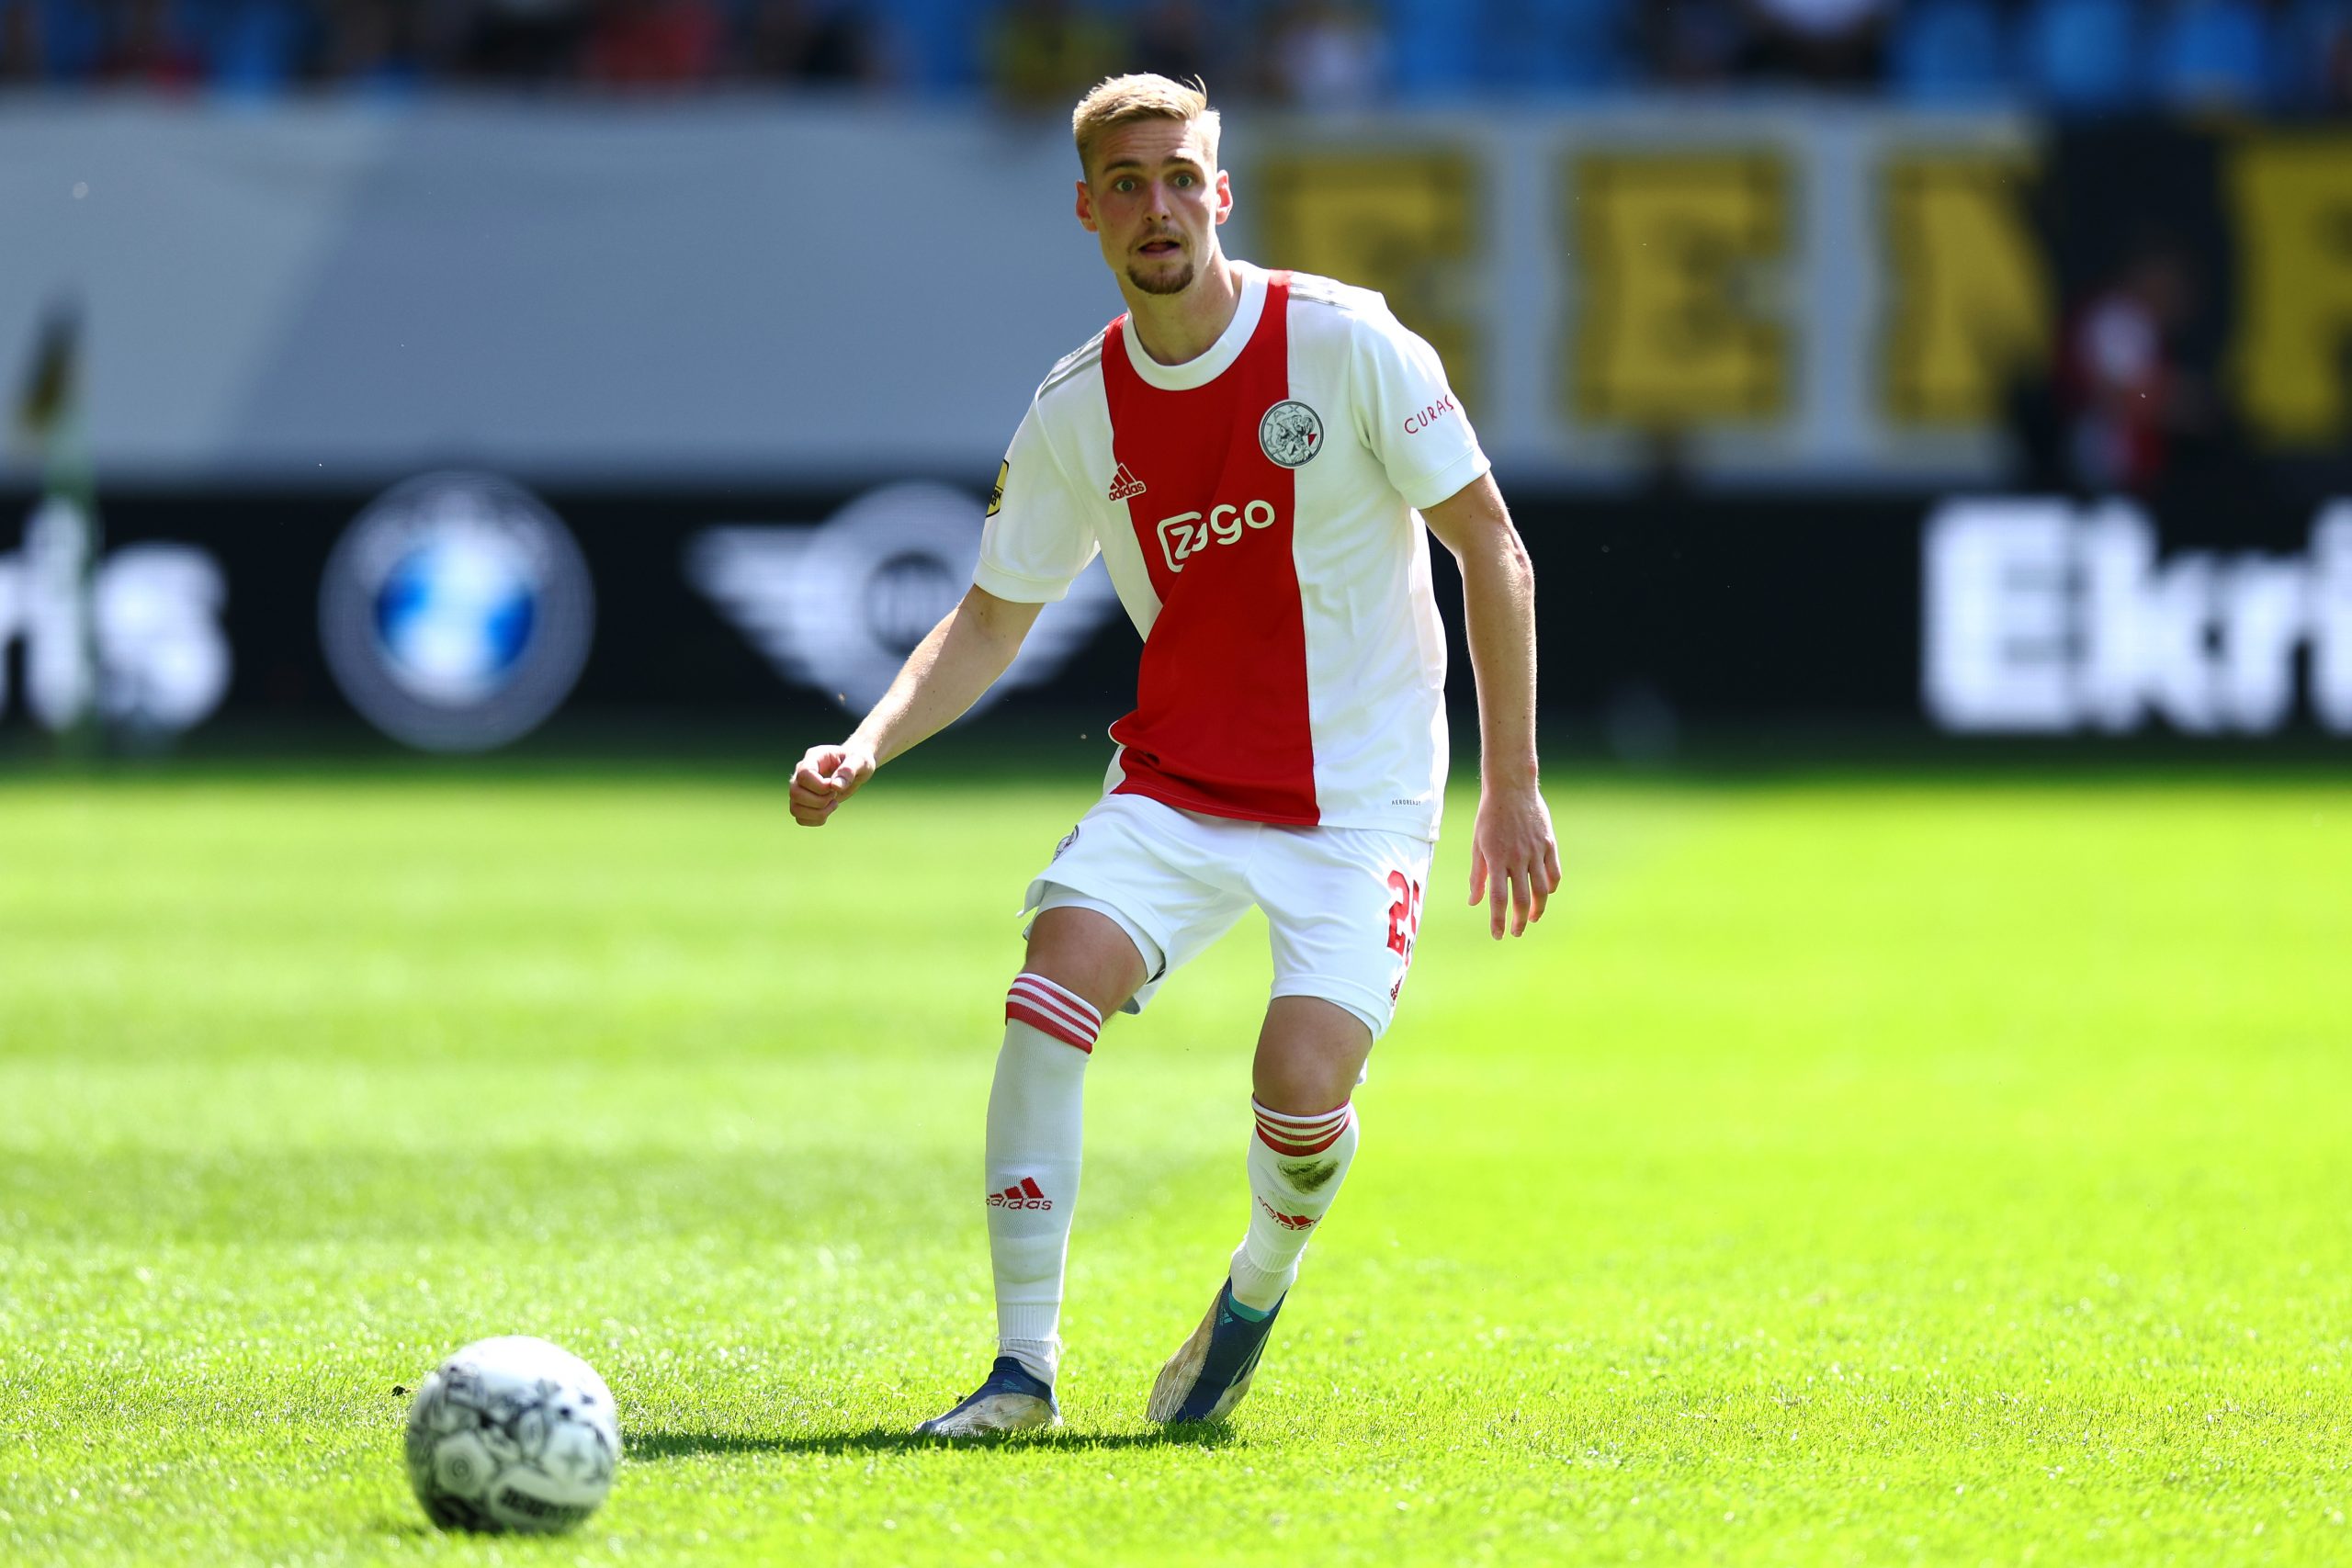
[
  {"x": 1038, "y": 536},
  {"x": 943, "y": 676}
]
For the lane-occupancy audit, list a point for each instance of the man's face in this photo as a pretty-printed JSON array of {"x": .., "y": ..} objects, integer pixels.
[{"x": 1154, "y": 198}]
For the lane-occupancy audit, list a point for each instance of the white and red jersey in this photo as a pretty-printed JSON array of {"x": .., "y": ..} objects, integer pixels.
[{"x": 1255, "y": 509}]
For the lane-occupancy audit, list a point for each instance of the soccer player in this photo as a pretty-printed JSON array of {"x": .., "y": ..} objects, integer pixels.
[{"x": 1248, "y": 450}]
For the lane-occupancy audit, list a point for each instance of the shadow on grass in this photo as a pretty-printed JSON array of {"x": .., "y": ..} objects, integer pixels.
[{"x": 655, "y": 1447}]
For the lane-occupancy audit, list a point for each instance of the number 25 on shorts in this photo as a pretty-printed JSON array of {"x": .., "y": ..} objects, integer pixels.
[{"x": 1404, "y": 915}]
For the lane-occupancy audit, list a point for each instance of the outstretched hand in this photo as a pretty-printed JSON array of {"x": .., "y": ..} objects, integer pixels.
[
  {"x": 827, "y": 776},
  {"x": 1514, "y": 861}
]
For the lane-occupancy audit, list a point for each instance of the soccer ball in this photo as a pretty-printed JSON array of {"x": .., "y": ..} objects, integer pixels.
[{"x": 512, "y": 1434}]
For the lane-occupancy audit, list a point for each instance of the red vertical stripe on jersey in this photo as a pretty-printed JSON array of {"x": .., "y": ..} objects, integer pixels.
[{"x": 1220, "y": 723}]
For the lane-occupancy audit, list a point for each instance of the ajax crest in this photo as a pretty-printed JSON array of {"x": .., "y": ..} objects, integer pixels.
[{"x": 1291, "y": 433}]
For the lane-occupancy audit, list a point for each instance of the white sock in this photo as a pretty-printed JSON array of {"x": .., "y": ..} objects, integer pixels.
[
  {"x": 1296, "y": 1163},
  {"x": 1035, "y": 1123}
]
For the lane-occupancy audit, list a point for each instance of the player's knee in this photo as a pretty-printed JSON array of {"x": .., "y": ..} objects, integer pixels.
[
  {"x": 1295, "y": 1087},
  {"x": 1089, "y": 953},
  {"x": 1310, "y": 1054}
]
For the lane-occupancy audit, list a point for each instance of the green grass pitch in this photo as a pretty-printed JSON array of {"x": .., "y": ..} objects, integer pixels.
[{"x": 1863, "y": 1172}]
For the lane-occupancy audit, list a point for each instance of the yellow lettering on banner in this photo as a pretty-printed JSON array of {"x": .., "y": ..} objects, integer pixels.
[
  {"x": 1668, "y": 246},
  {"x": 1405, "y": 223},
  {"x": 1970, "y": 294},
  {"x": 2292, "y": 355}
]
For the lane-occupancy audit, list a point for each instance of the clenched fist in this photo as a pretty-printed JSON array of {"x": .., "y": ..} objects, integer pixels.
[{"x": 827, "y": 776}]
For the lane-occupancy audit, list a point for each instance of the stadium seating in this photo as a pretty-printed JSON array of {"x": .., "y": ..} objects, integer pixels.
[
  {"x": 2076, "y": 56},
  {"x": 2208, "y": 53},
  {"x": 1948, "y": 52},
  {"x": 2084, "y": 56},
  {"x": 2313, "y": 39}
]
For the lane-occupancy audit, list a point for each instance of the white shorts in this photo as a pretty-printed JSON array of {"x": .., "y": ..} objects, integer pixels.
[{"x": 1343, "y": 903}]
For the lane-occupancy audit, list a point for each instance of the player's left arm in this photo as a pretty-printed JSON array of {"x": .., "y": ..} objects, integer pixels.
[{"x": 1513, "y": 857}]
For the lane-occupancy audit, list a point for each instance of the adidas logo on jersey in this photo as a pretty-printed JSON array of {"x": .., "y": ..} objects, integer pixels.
[
  {"x": 1125, "y": 486},
  {"x": 1025, "y": 1194}
]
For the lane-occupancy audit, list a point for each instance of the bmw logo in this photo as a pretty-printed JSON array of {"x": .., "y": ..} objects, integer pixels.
[{"x": 456, "y": 612}]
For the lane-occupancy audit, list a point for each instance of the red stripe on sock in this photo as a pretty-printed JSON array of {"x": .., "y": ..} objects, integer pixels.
[
  {"x": 1314, "y": 1123},
  {"x": 1062, "y": 995},
  {"x": 1291, "y": 1128},
  {"x": 1293, "y": 1151},
  {"x": 1019, "y": 1009},
  {"x": 1294, "y": 1141},
  {"x": 1089, "y": 1027},
  {"x": 1301, "y": 1124},
  {"x": 1076, "y": 1015}
]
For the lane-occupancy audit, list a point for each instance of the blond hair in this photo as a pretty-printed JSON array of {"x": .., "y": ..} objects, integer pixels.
[{"x": 1123, "y": 100}]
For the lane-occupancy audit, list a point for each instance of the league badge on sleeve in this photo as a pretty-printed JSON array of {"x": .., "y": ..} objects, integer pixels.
[{"x": 1291, "y": 433}]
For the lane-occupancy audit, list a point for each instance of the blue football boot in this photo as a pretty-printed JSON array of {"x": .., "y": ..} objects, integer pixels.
[
  {"x": 1206, "y": 1378},
  {"x": 1010, "y": 1400}
]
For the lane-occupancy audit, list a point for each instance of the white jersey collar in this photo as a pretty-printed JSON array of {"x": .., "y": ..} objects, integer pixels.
[{"x": 1224, "y": 352}]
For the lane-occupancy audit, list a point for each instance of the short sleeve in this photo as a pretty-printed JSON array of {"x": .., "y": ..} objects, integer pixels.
[
  {"x": 1413, "y": 421},
  {"x": 1038, "y": 536}
]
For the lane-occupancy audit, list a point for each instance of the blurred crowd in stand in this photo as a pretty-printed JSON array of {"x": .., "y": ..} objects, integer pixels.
[
  {"x": 2071, "y": 56},
  {"x": 2125, "y": 404}
]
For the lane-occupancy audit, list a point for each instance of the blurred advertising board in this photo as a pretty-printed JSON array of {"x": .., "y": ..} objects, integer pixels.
[
  {"x": 459, "y": 610},
  {"x": 1777, "y": 294},
  {"x": 2045, "y": 616}
]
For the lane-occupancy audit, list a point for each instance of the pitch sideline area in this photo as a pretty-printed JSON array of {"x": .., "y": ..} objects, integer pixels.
[{"x": 1844, "y": 1172}]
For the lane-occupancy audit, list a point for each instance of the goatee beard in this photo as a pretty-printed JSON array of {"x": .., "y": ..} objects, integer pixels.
[{"x": 1164, "y": 283}]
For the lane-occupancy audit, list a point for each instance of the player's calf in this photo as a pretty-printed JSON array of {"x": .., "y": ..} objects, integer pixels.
[
  {"x": 1296, "y": 1163},
  {"x": 1035, "y": 1123}
]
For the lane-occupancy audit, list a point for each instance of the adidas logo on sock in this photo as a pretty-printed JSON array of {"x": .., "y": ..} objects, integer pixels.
[
  {"x": 1125, "y": 486},
  {"x": 1288, "y": 1221},
  {"x": 1028, "y": 1195}
]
